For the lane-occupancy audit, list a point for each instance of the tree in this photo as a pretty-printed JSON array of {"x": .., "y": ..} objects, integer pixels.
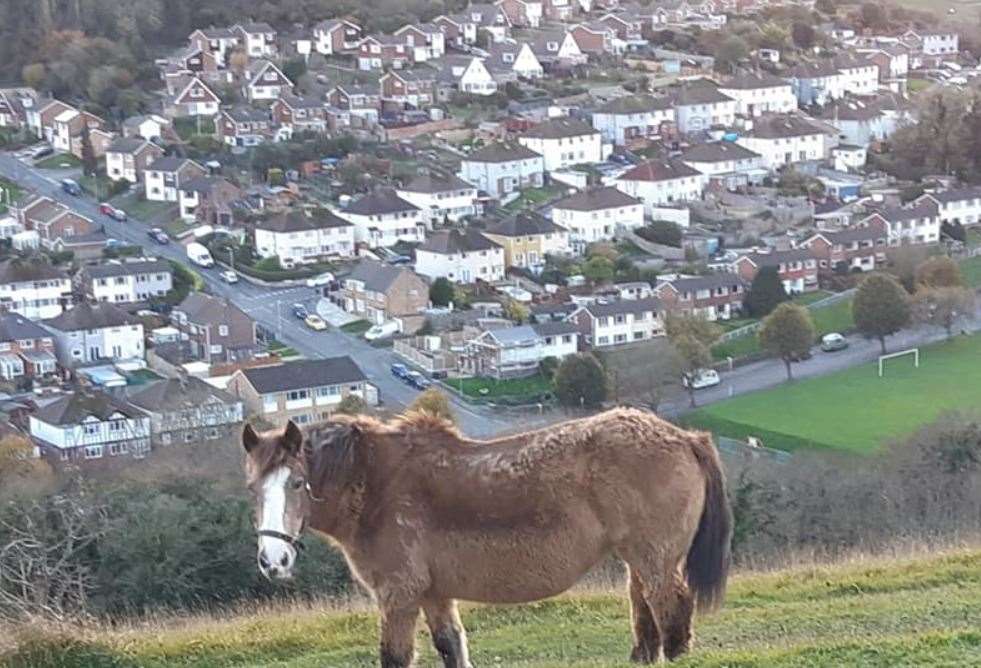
[
  {"x": 352, "y": 405},
  {"x": 826, "y": 7},
  {"x": 34, "y": 74},
  {"x": 662, "y": 232},
  {"x": 598, "y": 269},
  {"x": 89, "y": 163},
  {"x": 516, "y": 311},
  {"x": 954, "y": 230},
  {"x": 730, "y": 53},
  {"x": 692, "y": 338},
  {"x": 765, "y": 293},
  {"x": 548, "y": 366},
  {"x": 903, "y": 262},
  {"x": 20, "y": 470},
  {"x": 881, "y": 308},
  {"x": 581, "y": 381},
  {"x": 294, "y": 69},
  {"x": 942, "y": 306},
  {"x": 788, "y": 333},
  {"x": 873, "y": 15},
  {"x": 434, "y": 402},
  {"x": 938, "y": 272},
  {"x": 803, "y": 35},
  {"x": 441, "y": 292}
]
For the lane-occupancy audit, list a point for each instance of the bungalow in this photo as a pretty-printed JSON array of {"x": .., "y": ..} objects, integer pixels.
[
  {"x": 786, "y": 139},
  {"x": 162, "y": 179},
  {"x": 564, "y": 142},
  {"x": 460, "y": 256},
  {"x": 217, "y": 331},
  {"x": 659, "y": 183},
  {"x": 257, "y": 39},
  {"x": 192, "y": 98},
  {"x": 127, "y": 158},
  {"x": 699, "y": 106},
  {"x": 301, "y": 236},
  {"x": 336, "y": 36},
  {"x": 382, "y": 218},
  {"x": 609, "y": 323},
  {"x": 265, "y": 81},
  {"x": 502, "y": 168},
  {"x": 630, "y": 117},
  {"x": 715, "y": 296},
  {"x": 858, "y": 248},
  {"x": 243, "y": 125},
  {"x": 126, "y": 282},
  {"x": 379, "y": 292},
  {"x": 26, "y": 348},
  {"x": 527, "y": 238},
  {"x": 797, "y": 268},
  {"x": 597, "y": 214},
  {"x": 516, "y": 352},
  {"x": 306, "y": 392},
  {"x": 299, "y": 114},
  {"x": 93, "y": 333},
  {"x": 441, "y": 197}
]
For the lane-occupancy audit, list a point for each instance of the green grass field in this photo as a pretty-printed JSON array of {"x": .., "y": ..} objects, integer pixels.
[
  {"x": 10, "y": 192},
  {"x": 909, "y": 612},
  {"x": 489, "y": 388},
  {"x": 59, "y": 161},
  {"x": 855, "y": 410}
]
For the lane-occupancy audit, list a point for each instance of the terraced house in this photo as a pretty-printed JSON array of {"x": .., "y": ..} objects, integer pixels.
[
  {"x": 624, "y": 119},
  {"x": 620, "y": 321},
  {"x": 33, "y": 289},
  {"x": 126, "y": 281},
  {"x": 714, "y": 297}
]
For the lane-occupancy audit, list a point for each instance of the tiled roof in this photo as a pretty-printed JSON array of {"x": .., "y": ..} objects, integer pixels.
[
  {"x": 501, "y": 152},
  {"x": 659, "y": 170},
  {"x": 721, "y": 151},
  {"x": 446, "y": 242},
  {"x": 596, "y": 199},
  {"x": 381, "y": 201},
  {"x": 297, "y": 220},
  {"x": 91, "y": 316},
  {"x": 18, "y": 271},
  {"x": 634, "y": 104},
  {"x": 304, "y": 374},
  {"x": 524, "y": 224},
  {"x": 560, "y": 128},
  {"x": 75, "y": 407},
  {"x": 14, "y": 327},
  {"x": 128, "y": 268}
]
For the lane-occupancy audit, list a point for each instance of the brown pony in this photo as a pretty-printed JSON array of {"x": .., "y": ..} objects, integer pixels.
[{"x": 425, "y": 516}]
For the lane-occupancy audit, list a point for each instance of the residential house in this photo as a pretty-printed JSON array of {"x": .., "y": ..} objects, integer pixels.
[
  {"x": 856, "y": 248},
  {"x": 33, "y": 289},
  {"x": 336, "y": 36},
  {"x": 192, "y": 97},
  {"x": 500, "y": 168},
  {"x": 527, "y": 238},
  {"x": 723, "y": 159},
  {"x": 377, "y": 52},
  {"x": 299, "y": 114},
  {"x": 756, "y": 94},
  {"x": 408, "y": 89},
  {"x": 426, "y": 40},
  {"x": 382, "y": 218},
  {"x": 713, "y": 297},
  {"x": 916, "y": 224},
  {"x": 560, "y": 10},
  {"x": 893, "y": 61},
  {"x": 819, "y": 82},
  {"x": 306, "y": 392},
  {"x": 522, "y": 13},
  {"x": 257, "y": 39},
  {"x": 511, "y": 61},
  {"x": 126, "y": 281},
  {"x": 26, "y": 348},
  {"x": 68, "y": 129},
  {"x": 162, "y": 179},
  {"x": 194, "y": 62},
  {"x": 564, "y": 142},
  {"x": 208, "y": 199},
  {"x": 797, "y": 267},
  {"x": 701, "y": 105},
  {"x": 379, "y": 292},
  {"x": 218, "y": 41},
  {"x": 460, "y": 256},
  {"x": 441, "y": 197},
  {"x": 265, "y": 81},
  {"x": 624, "y": 119},
  {"x": 557, "y": 49},
  {"x": 786, "y": 139},
  {"x": 490, "y": 18},
  {"x": 150, "y": 127},
  {"x": 243, "y": 125},
  {"x": 922, "y": 43},
  {"x": 660, "y": 183},
  {"x": 466, "y": 74},
  {"x": 628, "y": 28},
  {"x": 84, "y": 428},
  {"x": 54, "y": 222},
  {"x": 188, "y": 410},
  {"x": 361, "y": 100},
  {"x": 216, "y": 329},
  {"x": 610, "y": 323},
  {"x": 14, "y": 106},
  {"x": 458, "y": 29},
  {"x": 516, "y": 352},
  {"x": 597, "y": 214},
  {"x": 91, "y": 333},
  {"x": 860, "y": 121},
  {"x": 594, "y": 38},
  {"x": 128, "y": 157},
  {"x": 956, "y": 205},
  {"x": 300, "y": 236}
]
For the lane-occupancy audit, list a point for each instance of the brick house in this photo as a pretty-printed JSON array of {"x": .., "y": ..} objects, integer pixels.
[
  {"x": 858, "y": 248},
  {"x": 594, "y": 38},
  {"x": 208, "y": 199},
  {"x": 359, "y": 100},
  {"x": 299, "y": 114},
  {"x": 54, "y": 222},
  {"x": 797, "y": 268},
  {"x": 458, "y": 29},
  {"x": 716, "y": 296},
  {"x": 26, "y": 348},
  {"x": 245, "y": 126},
  {"x": 216, "y": 329},
  {"x": 163, "y": 178},
  {"x": 408, "y": 88},
  {"x": 336, "y": 36},
  {"x": 188, "y": 410},
  {"x": 522, "y": 13},
  {"x": 379, "y": 292},
  {"x": 610, "y": 323}
]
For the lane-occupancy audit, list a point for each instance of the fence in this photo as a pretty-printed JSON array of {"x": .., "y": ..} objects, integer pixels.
[
  {"x": 730, "y": 447},
  {"x": 752, "y": 327}
]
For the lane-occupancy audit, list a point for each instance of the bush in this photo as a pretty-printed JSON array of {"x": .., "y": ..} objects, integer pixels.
[
  {"x": 662, "y": 232},
  {"x": 580, "y": 380}
]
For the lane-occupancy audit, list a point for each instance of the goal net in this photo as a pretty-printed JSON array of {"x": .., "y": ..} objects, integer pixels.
[{"x": 915, "y": 352}]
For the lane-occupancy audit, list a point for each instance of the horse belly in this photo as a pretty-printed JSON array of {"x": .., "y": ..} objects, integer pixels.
[{"x": 513, "y": 567}]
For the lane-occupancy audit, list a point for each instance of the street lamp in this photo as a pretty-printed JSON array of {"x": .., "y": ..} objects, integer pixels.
[{"x": 231, "y": 258}]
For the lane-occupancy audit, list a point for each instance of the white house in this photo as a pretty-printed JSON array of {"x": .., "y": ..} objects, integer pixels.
[
  {"x": 786, "y": 139},
  {"x": 933, "y": 43},
  {"x": 499, "y": 169},
  {"x": 917, "y": 224},
  {"x": 301, "y": 236},
  {"x": 163, "y": 178},
  {"x": 632, "y": 116},
  {"x": 660, "y": 183},
  {"x": 597, "y": 214},
  {"x": 819, "y": 82},
  {"x": 721, "y": 157},
  {"x": 699, "y": 106},
  {"x": 612, "y": 323},
  {"x": 127, "y": 281},
  {"x": 514, "y": 352},
  {"x": 382, "y": 218},
  {"x": 564, "y": 142},
  {"x": 84, "y": 426},
  {"x": 440, "y": 197},
  {"x": 461, "y": 257},
  {"x": 958, "y": 205},
  {"x": 336, "y": 36},
  {"x": 756, "y": 94},
  {"x": 468, "y": 74},
  {"x": 863, "y": 120},
  {"x": 265, "y": 81},
  {"x": 92, "y": 333},
  {"x": 149, "y": 127},
  {"x": 509, "y": 61},
  {"x": 33, "y": 289},
  {"x": 426, "y": 41},
  {"x": 128, "y": 157},
  {"x": 258, "y": 39},
  {"x": 193, "y": 98},
  {"x": 218, "y": 41}
]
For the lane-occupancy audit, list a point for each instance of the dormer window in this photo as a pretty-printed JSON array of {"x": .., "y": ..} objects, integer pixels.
[
  {"x": 508, "y": 58},
  {"x": 552, "y": 46}
]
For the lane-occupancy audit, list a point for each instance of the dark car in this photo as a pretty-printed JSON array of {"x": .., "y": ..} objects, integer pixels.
[
  {"x": 300, "y": 311},
  {"x": 400, "y": 371},
  {"x": 71, "y": 187},
  {"x": 417, "y": 380},
  {"x": 158, "y": 235}
]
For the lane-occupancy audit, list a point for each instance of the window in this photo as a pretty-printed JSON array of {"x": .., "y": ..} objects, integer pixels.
[
  {"x": 118, "y": 449},
  {"x": 93, "y": 452},
  {"x": 222, "y": 330},
  {"x": 91, "y": 428},
  {"x": 295, "y": 395}
]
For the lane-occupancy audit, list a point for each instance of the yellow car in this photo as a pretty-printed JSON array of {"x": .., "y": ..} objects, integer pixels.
[{"x": 315, "y": 322}]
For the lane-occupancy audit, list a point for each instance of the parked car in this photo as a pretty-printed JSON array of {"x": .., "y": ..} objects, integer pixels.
[
  {"x": 315, "y": 322},
  {"x": 702, "y": 378},
  {"x": 400, "y": 371},
  {"x": 229, "y": 276},
  {"x": 158, "y": 235},
  {"x": 71, "y": 187},
  {"x": 300, "y": 311},
  {"x": 41, "y": 152},
  {"x": 381, "y": 331},
  {"x": 833, "y": 342},
  {"x": 319, "y": 281},
  {"x": 417, "y": 380},
  {"x": 114, "y": 243},
  {"x": 108, "y": 209}
]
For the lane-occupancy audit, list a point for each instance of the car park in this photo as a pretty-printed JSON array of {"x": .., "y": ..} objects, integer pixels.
[
  {"x": 701, "y": 379},
  {"x": 833, "y": 342},
  {"x": 315, "y": 322},
  {"x": 300, "y": 311},
  {"x": 229, "y": 276}
]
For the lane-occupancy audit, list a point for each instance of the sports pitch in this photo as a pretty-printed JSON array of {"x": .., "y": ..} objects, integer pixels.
[{"x": 855, "y": 410}]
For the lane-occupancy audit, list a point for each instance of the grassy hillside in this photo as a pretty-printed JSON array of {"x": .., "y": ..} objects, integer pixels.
[{"x": 921, "y": 612}]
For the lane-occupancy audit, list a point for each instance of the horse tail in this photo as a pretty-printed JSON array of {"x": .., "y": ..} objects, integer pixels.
[{"x": 709, "y": 555}]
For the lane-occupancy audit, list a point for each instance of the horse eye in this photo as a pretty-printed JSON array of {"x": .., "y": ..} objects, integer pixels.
[{"x": 297, "y": 483}]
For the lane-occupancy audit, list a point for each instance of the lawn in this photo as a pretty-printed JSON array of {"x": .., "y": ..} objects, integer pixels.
[
  {"x": 855, "y": 410},
  {"x": 141, "y": 209},
  {"x": 59, "y": 161},
  {"x": 10, "y": 192},
  {"x": 534, "y": 197},
  {"x": 356, "y": 328},
  {"x": 489, "y": 388},
  {"x": 971, "y": 269},
  {"x": 282, "y": 349}
]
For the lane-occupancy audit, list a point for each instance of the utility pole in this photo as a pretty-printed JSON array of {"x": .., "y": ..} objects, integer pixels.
[
  {"x": 231, "y": 259},
  {"x": 279, "y": 320}
]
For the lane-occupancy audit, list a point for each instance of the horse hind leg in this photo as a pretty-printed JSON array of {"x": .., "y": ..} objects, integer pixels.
[
  {"x": 647, "y": 636},
  {"x": 675, "y": 609},
  {"x": 449, "y": 636}
]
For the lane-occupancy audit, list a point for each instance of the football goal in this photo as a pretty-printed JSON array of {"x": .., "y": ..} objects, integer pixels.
[{"x": 915, "y": 352}]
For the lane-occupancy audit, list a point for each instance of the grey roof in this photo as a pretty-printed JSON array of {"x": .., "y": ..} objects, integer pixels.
[
  {"x": 623, "y": 306},
  {"x": 698, "y": 93},
  {"x": 513, "y": 335},
  {"x": 297, "y": 220},
  {"x": 753, "y": 82},
  {"x": 129, "y": 145},
  {"x": 257, "y": 27},
  {"x": 555, "y": 328},
  {"x": 501, "y": 152},
  {"x": 201, "y": 308},
  {"x": 560, "y": 128},
  {"x": 14, "y": 327},
  {"x": 18, "y": 271},
  {"x": 376, "y": 276},
  {"x": 245, "y": 114},
  {"x": 922, "y": 209},
  {"x": 775, "y": 257},
  {"x": 304, "y": 374},
  {"x": 596, "y": 199},
  {"x": 780, "y": 126},
  {"x": 526, "y": 223},
  {"x": 955, "y": 194},
  {"x": 128, "y": 268},
  {"x": 455, "y": 241},
  {"x": 75, "y": 407},
  {"x": 86, "y": 315},
  {"x": 708, "y": 282},
  {"x": 174, "y": 394},
  {"x": 720, "y": 151},
  {"x": 169, "y": 163},
  {"x": 436, "y": 183},
  {"x": 634, "y": 104},
  {"x": 659, "y": 170},
  {"x": 381, "y": 201},
  {"x": 849, "y": 234}
]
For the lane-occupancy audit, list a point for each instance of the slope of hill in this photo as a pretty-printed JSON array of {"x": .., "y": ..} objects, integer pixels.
[{"x": 922, "y": 612}]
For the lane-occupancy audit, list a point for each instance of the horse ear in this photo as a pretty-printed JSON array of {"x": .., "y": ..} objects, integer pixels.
[
  {"x": 292, "y": 438},
  {"x": 250, "y": 439}
]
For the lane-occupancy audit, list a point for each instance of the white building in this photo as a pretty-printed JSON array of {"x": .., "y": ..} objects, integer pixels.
[
  {"x": 258, "y": 39},
  {"x": 960, "y": 205},
  {"x": 612, "y": 323},
  {"x": 150, "y": 127},
  {"x": 127, "y": 158},
  {"x": 382, "y": 218},
  {"x": 335, "y": 36},
  {"x": 659, "y": 183},
  {"x": 33, "y": 289},
  {"x": 786, "y": 139},
  {"x": 301, "y": 236},
  {"x": 756, "y": 94},
  {"x": 633, "y": 116},
  {"x": 266, "y": 82},
  {"x": 92, "y": 333},
  {"x": 722, "y": 157},
  {"x": 863, "y": 120},
  {"x": 514, "y": 352},
  {"x": 597, "y": 214},
  {"x": 468, "y": 74},
  {"x": 699, "y": 106},
  {"x": 564, "y": 142},
  {"x": 127, "y": 281},
  {"x": 509, "y": 61},
  {"x": 84, "y": 426},
  {"x": 461, "y": 257},
  {"x": 499, "y": 169},
  {"x": 440, "y": 197},
  {"x": 163, "y": 178},
  {"x": 426, "y": 41},
  {"x": 917, "y": 224}
]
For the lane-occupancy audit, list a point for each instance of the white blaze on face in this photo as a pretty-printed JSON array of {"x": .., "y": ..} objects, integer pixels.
[{"x": 272, "y": 517}]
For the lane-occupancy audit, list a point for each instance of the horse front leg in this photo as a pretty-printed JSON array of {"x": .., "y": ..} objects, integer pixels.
[
  {"x": 398, "y": 631},
  {"x": 449, "y": 636}
]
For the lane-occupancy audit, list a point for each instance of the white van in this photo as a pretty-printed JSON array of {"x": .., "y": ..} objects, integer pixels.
[
  {"x": 387, "y": 328},
  {"x": 199, "y": 255}
]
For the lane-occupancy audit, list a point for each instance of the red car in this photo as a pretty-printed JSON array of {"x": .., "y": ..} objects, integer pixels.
[{"x": 109, "y": 210}]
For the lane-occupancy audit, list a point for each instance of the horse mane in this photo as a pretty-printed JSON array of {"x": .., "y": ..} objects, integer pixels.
[
  {"x": 268, "y": 455},
  {"x": 426, "y": 422}
]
